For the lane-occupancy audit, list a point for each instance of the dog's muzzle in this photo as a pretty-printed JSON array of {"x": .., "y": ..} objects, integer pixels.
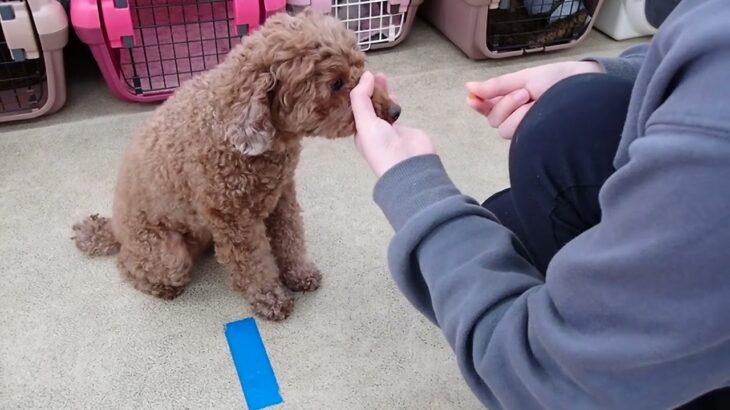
[{"x": 393, "y": 113}]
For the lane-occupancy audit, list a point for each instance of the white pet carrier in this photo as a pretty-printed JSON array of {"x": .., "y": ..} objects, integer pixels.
[
  {"x": 378, "y": 24},
  {"x": 624, "y": 19}
]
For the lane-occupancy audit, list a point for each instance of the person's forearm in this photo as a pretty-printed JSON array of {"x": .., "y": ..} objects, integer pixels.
[
  {"x": 452, "y": 260},
  {"x": 421, "y": 183}
]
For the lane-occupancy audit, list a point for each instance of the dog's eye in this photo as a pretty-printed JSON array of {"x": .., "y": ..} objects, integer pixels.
[{"x": 337, "y": 85}]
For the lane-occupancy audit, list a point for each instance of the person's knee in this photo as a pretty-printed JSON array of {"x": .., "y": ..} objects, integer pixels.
[
  {"x": 575, "y": 110},
  {"x": 570, "y": 103}
]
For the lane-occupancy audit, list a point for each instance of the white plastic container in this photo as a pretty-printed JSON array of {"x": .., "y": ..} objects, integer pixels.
[{"x": 624, "y": 19}]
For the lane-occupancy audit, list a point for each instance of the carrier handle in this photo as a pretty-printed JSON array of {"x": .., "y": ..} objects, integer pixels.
[
  {"x": 246, "y": 16},
  {"x": 118, "y": 23},
  {"x": 51, "y": 23},
  {"x": 320, "y": 6},
  {"x": 397, "y": 6},
  {"x": 274, "y": 6},
  {"x": 17, "y": 27}
]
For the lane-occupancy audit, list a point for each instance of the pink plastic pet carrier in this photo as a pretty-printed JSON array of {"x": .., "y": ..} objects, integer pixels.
[
  {"x": 147, "y": 48},
  {"x": 505, "y": 28},
  {"x": 33, "y": 34},
  {"x": 377, "y": 23}
]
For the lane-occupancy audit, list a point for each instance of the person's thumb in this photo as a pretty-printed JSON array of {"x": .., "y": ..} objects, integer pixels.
[{"x": 497, "y": 86}]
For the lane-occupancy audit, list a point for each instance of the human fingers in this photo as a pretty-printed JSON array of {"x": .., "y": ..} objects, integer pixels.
[
  {"x": 381, "y": 81},
  {"x": 509, "y": 126},
  {"x": 360, "y": 98},
  {"x": 477, "y": 104},
  {"x": 507, "y": 105},
  {"x": 483, "y": 106},
  {"x": 498, "y": 86}
]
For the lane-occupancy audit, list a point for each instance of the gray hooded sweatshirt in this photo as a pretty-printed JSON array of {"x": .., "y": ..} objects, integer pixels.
[{"x": 635, "y": 312}]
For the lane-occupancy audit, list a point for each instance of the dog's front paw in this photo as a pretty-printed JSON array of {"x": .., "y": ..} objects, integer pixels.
[
  {"x": 303, "y": 279},
  {"x": 165, "y": 292},
  {"x": 274, "y": 304},
  {"x": 168, "y": 292}
]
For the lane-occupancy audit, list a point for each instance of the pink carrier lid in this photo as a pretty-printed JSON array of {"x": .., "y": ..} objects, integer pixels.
[
  {"x": 274, "y": 6},
  {"x": 118, "y": 23},
  {"x": 246, "y": 16},
  {"x": 397, "y": 6}
]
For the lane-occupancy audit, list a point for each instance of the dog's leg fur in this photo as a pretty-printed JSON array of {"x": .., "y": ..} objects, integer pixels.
[
  {"x": 244, "y": 250},
  {"x": 156, "y": 262},
  {"x": 286, "y": 233}
]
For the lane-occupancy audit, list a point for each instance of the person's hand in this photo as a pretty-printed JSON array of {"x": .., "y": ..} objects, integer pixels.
[
  {"x": 505, "y": 100},
  {"x": 383, "y": 145}
]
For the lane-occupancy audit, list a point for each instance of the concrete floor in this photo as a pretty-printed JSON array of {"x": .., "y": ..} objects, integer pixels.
[{"x": 73, "y": 335}]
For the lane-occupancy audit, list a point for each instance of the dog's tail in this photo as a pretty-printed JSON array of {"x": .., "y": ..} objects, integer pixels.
[{"x": 94, "y": 236}]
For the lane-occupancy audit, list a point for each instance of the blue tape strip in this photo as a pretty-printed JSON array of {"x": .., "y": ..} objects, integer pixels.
[{"x": 252, "y": 364}]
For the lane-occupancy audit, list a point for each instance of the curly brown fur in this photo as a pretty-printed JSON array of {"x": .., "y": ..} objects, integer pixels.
[
  {"x": 94, "y": 236},
  {"x": 215, "y": 165}
]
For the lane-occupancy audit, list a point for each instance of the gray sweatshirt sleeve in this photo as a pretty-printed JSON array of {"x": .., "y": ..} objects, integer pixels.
[
  {"x": 633, "y": 313},
  {"x": 626, "y": 65}
]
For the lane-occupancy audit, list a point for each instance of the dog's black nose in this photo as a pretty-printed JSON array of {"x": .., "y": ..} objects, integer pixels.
[{"x": 393, "y": 112}]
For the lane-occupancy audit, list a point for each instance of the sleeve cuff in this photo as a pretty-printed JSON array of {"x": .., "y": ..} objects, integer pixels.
[
  {"x": 616, "y": 66},
  {"x": 627, "y": 65},
  {"x": 410, "y": 186}
]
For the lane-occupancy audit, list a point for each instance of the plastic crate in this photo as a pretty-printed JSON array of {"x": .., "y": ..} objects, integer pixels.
[
  {"x": 146, "y": 48},
  {"x": 33, "y": 34},
  {"x": 505, "y": 28},
  {"x": 624, "y": 19},
  {"x": 378, "y": 23}
]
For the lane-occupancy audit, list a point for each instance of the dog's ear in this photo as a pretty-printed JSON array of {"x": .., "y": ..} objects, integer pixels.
[{"x": 252, "y": 132}]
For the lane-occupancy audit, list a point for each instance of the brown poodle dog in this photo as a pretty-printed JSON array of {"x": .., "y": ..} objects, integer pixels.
[{"x": 215, "y": 165}]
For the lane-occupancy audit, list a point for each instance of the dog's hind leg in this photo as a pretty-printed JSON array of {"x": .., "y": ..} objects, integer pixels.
[
  {"x": 156, "y": 262},
  {"x": 243, "y": 248},
  {"x": 286, "y": 234}
]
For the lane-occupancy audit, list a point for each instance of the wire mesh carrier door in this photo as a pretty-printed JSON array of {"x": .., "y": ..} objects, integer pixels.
[
  {"x": 504, "y": 28},
  {"x": 32, "y": 36},
  {"x": 147, "y": 48},
  {"x": 377, "y": 23}
]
